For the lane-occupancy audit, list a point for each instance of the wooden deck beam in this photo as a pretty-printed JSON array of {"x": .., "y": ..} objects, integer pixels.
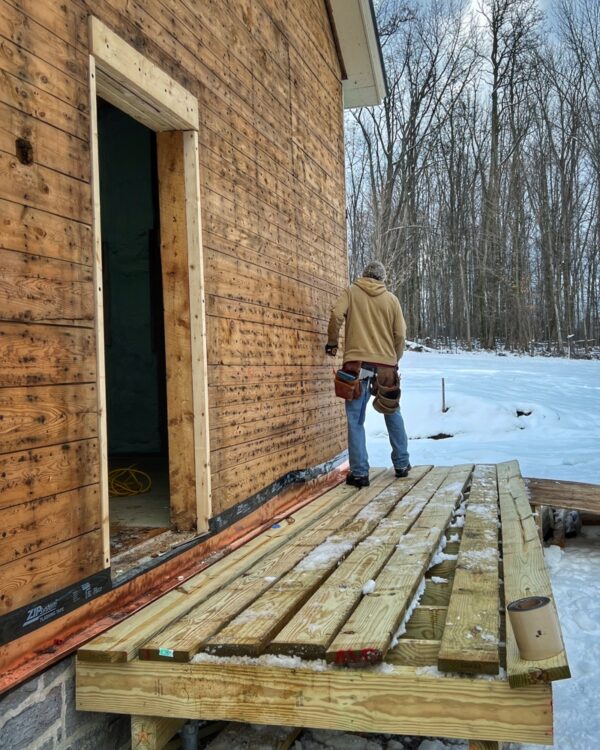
[{"x": 398, "y": 700}]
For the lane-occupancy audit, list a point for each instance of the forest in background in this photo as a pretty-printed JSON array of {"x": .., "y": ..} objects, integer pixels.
[{"x": 477, "y": 182}]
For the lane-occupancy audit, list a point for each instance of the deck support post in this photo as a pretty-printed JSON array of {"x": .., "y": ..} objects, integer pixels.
[
  {"x": 485, "y": 745},
  {"x": 153, "y": 732}
]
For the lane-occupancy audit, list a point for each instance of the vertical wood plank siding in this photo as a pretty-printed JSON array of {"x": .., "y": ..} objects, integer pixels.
[{"x": 267, "y": 79}]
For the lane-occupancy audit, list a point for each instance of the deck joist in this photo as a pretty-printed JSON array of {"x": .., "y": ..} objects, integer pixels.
[{"x": 379, "y": 609}]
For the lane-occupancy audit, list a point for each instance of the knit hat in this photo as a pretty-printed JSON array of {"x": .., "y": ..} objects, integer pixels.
[{"x": 375, "y": 270}]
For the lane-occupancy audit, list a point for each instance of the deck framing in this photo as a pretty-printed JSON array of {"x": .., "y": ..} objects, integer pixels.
[
  {"x": 400, "y": 701},
  {"x": 419, "y": 636}
]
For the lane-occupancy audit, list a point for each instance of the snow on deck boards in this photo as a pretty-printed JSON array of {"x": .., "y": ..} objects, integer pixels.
[{"x": 361, "y": 577}]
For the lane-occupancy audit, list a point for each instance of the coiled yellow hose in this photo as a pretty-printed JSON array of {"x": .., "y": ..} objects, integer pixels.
[{"x": 128, "y": 481}]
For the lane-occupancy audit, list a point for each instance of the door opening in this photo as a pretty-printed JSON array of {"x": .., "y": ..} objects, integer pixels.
[{"x": 134, "y": 336}]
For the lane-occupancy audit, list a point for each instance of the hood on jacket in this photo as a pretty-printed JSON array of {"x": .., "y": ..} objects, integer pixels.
[{"x": 371, "y": 286}]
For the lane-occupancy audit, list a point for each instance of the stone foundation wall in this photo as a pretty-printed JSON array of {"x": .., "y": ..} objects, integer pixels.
[{"x": 41, "y": 715}]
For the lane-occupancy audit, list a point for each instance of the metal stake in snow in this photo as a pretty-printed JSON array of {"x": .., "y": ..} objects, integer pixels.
[{"x": 444, "y": 407}]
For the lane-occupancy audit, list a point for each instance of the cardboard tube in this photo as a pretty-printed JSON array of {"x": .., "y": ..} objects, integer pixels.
[{"x": 535, "y": 625}]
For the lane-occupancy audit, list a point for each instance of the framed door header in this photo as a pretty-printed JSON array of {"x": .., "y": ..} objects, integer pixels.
[{"x": 137, "y": 86}]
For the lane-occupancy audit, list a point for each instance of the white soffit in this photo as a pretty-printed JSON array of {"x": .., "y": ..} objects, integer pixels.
[{"x": 365, "y": 83}]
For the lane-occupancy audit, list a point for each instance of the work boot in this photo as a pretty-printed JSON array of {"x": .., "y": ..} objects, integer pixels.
[
  {"x": 401, "y": 473},
  {"x": 357, "y": 481}
]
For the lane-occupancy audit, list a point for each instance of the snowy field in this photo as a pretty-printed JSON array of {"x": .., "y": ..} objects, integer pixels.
[{"x": 560, "y": 439}]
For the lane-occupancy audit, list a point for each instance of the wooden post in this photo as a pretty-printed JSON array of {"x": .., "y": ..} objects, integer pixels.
[
  {"x": 153, "y": 732},
  {"x": 484, "y": 745}
]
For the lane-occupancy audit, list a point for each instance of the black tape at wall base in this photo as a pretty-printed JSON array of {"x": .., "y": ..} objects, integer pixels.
[{"x": 27, "y": 619}]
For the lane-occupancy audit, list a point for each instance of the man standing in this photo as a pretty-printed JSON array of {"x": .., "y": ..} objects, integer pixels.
[{"x": 374, "y": 342}]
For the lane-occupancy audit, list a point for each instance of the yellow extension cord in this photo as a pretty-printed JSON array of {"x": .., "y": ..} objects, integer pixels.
[{"x": 128, "y": 481}]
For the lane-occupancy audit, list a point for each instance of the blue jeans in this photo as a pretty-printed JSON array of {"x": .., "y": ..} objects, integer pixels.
[{"x": 357, "y": 442}]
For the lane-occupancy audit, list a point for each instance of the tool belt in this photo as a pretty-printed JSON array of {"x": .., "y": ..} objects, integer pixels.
[
  {"x": 347, "y": 381},
  {"x": 384, "y": 384},
  {"x": 385, "y": 389}
]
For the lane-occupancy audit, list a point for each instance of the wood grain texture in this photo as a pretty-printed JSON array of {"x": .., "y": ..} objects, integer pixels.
[
  {"x": 395, "y": 702},
  {"x": 178, "y": 350},
  {"x": 122, "y": 642},
  {"x": 367, "y": 634},
  {"x": 472, "y": 629},
  {"x": 153, "y": 733},
  {"x": 39, "y": 354},
  {"x": 35, "y": 525},
  {"x": 40, "y": 233},
  {"x": 40, "y": 472},
  {"x": 525, "y": 574},
  {"x": 313, "y": 628},
  {"x": 35, "y": 289},
  {"x": 246, "y": 612},
  {"x": 46, "y": 415},
  {"x": 30, "y": 578},
  {"x": 560, "y": 494}
]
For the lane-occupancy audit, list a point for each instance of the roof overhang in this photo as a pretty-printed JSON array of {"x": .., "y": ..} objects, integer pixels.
[{"x": 355, "y": 28}]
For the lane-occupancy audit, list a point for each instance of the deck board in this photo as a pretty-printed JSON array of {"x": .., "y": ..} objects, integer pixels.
[
  {"x": 368, "y": 633},
  {"x": 267, "y": 600},
  {"x": 472, "y": 628},
  {"x": 255, "y": 628},
  {"x": 525, "y": 574}
]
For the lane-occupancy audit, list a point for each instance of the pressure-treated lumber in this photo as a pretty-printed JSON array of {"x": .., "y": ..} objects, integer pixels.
[
  {"x": 398, "y": 701},
  {"x": 251, "y": 632},
  {"x": 153, "y": 732},
  {"x": 569, "y": 495},
  {"x": 426, "y": 622},
  {"x": 525, "y": 574},
  {"x": 485, "y": 745},
  {"x": 471, "y": 632},
  {"x": 414, "y": 652},
  {"x": 186, "y": 636},
  {"x": 121, "y": 643},
  {"x": 316, "y": 624},
  {"x": 368, "y": 633}
]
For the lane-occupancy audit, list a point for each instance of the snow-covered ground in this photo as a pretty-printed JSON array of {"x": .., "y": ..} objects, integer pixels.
[{"x": 560, "y": 439}]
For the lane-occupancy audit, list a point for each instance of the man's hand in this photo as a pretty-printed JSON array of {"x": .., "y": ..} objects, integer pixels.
[{"x": 331, "y": 349}]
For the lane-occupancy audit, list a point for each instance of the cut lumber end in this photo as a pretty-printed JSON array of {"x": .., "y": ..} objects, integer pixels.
[
  {"x": 355, "y": 657},
  {"x": 484, "y": 665},
  {"x": 106, "y": 657},
  {"x": 539, "y": 676}
]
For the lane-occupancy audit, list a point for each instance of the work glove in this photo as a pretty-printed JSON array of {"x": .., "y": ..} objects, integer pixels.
[{"x": 331, "y": 349}]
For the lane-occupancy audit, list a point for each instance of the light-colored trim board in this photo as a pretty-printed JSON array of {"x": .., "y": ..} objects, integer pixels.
[
  {"x": 131, "y": 82},
  {"x": 199, "y": 358},
  {"x": 394, "y": 701},
  {"x": 99, "y": 317},
  {"x": 137, "y": 86}
]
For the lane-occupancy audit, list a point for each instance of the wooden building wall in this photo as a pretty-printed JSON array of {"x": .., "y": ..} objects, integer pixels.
[{"x": 271, "y": 147}]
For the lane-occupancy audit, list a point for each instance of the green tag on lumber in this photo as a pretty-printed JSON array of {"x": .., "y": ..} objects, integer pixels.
[{"x": 165, "y": 652}]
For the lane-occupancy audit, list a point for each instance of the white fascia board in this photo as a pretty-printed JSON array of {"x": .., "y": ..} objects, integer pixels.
[{"x": 357, "y": 37}]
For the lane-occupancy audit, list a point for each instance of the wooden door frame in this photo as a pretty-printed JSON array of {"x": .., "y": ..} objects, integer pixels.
[{"x": 131, "y": 82}]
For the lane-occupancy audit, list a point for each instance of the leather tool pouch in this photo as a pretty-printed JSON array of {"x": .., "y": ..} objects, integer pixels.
[
  {"x": 385, "y": 388},
  {"x": 346, "y": 381}
]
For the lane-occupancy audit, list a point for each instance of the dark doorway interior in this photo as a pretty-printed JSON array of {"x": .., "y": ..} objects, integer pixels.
[{"x": 133, "y": 324}]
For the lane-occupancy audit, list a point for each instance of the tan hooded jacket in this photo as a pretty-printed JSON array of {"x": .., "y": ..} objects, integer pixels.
[{"x": 375, "y": 327}]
